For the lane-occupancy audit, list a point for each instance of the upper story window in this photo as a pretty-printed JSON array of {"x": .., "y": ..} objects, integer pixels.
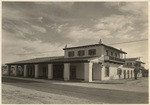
[
  {"x": 111, "y": 53},
  {"x": 71, "y": 53},
  {"x": 127, "y": 64},
  {"x": 115, "y": 54},
  {"x": 81, "y": 53},
  {"x": 107, "y": 52},
  {"x": 92, "y": 52},
  {"x": 118, "y": 55}
]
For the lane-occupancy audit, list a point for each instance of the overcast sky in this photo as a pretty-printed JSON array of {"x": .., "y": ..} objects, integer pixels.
[{"x": 39, "y": 29}]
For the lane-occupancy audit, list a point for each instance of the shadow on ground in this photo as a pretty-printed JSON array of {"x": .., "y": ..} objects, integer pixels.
[{"x": 10, "y": 80}]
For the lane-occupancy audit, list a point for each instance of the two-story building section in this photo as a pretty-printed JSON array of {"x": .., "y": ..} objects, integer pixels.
[
  {"x": 88, "y": 63},
  {"x": 104, "y": 65},
  {"x": 131, "y": 63}
]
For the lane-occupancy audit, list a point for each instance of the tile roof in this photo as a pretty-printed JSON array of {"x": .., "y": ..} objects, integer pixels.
[
  {"x": 56, "y": 59},
  {"x": 92, "y": 45},
  {"x": 133, "y": 59}
]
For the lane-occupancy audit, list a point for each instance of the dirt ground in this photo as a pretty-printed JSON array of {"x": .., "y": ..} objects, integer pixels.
[{"x": 37, "y": 91}]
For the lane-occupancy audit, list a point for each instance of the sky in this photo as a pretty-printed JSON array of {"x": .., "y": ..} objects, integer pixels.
[{"x": 41, "y": 29}]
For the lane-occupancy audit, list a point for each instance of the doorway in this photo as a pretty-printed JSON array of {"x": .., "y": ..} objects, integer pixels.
[
  {"x": 72, "y": 72},
  {"x": 128, "y": 74},
  {"x": 131, "y": 74},
  {"x": 58, "y": 71},
  {"x": 44, "y": 72},
  {"x": 124, "y": 74}
]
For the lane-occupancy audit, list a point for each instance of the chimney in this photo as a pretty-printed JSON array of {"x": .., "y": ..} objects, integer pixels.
[
  {"x": 100, "y": 41},
  {"x": 66, "y": 46},
  {"x": 121, "y": 49}
]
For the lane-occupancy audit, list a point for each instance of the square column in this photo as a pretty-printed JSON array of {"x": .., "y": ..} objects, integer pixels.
[
  {"x": 25, "y": 71},
  {"x": 88, "y": 72},
  {"x": 8, "y": 69},
  {"x": 67, "y": 71},
  {"x": 50, "y": 71},
  {"x": 36, "y": 70},
  {"x": 16, "y": 70}
]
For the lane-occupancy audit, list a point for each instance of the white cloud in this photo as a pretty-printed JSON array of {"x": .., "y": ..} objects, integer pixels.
[
  {"x": 14, "y": 49},
  {"x": 23, "y": 49},
  {"x": 77, "y": 33},
  {"x": 137, "y": 8},
  {"x": 57, "y": 27},
  {"x": 40, "y": 19},
  {"x": 114, "y": 22},
  {"x": 119, "y": 26},
  {"x": 64, "y": 5},
  {"x": 39, "y": 28},
  {"x": 13, "y": 13}
]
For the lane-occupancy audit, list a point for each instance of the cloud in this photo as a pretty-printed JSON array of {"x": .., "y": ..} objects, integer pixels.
[
  {"x": 57, "y": 27},
  {"x": 122, "y": 26},
  {"x": 15, "y": 14},
  {"x": 39, "y": 29},
  {"x": 114, "y": 22},
  {"x": 40, "y": 26},
  {"x": 136, "y": 8},
  {"x": 18, "y": 49},
  {"x": 77, "y": 33},
  {"x": 65, "y": 5}
]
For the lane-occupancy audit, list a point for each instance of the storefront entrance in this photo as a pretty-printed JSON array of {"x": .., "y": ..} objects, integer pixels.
[{"x": 58, "y": 71}]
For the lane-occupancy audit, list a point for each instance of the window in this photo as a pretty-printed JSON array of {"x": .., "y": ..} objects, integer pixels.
[
  {"x": 71, "y": 53},
  {"x": 92, "y": 52},
  {"x": 81, "y": 53},
  {"x": 118, "y": 55},
  {"x": 107, "y": 52},
  {"x": 130, "y": 64},
  {"x": 115, "y": 54},
  {"x": 107, "y": 71},
  {"x": 111, "y": 53}
]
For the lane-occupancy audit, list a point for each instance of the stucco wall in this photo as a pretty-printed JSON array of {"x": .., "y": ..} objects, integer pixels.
[
  {"x": 99, "y": 51},
  {"x": 112, "y": 71},
  {"x": 96, "y": 75},
  {"x": 112, "y": 50},
  {"x": 130, "y": 69}
]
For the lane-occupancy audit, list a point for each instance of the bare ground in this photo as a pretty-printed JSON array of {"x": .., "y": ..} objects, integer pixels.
[{"x": 37, "y": 91}]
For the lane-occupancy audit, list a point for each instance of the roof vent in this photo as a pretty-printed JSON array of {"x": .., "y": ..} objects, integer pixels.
[{"x": 100, "y": 41}]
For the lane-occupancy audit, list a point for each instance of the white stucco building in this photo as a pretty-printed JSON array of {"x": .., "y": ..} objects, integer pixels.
[{"x": 88, "y": 63}]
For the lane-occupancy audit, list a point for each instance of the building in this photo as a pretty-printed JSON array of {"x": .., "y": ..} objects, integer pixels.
[
  {"x": 133, "y": 62},
  {"x": 88, "y": 63}
]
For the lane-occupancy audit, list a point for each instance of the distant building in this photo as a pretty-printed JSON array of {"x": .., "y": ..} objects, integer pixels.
[
  {"x": 131, "y": 62},
  {"x": 88, "y": 63}
]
